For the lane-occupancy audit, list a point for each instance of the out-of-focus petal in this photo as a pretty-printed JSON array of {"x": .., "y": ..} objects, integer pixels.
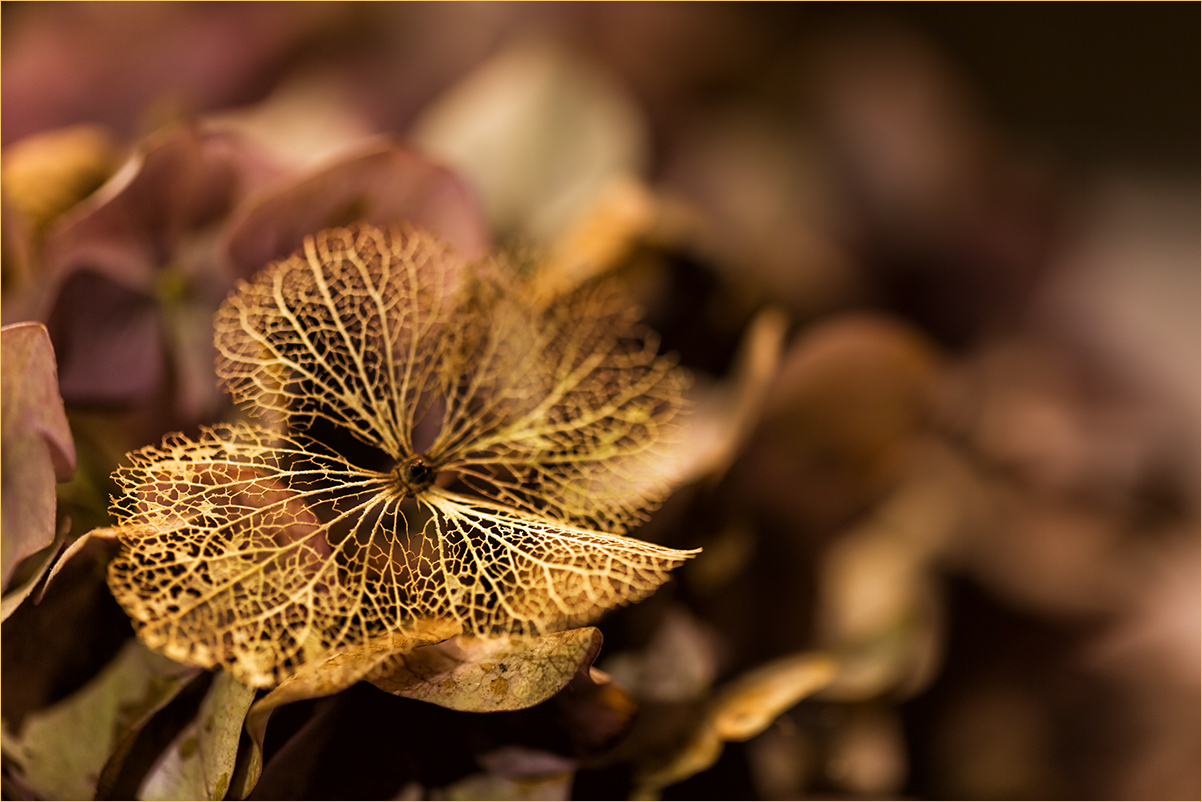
[
  {"x": 382, "y": 184},
  {"x": 44, "y": 175},
  {"x": 110, "y": 340},
  {"x": 128, "y": 229},
  {"x": 539, "y": 133}
]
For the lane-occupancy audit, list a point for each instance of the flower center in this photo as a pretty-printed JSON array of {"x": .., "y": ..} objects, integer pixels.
[{"x": 414, "y": 475}]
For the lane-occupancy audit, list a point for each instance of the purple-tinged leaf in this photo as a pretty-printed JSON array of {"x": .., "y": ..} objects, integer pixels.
[
  {"x": 37, "y": 447},
  {"x": 382, "y": 184},
  {"x": 136, "y": 257}
]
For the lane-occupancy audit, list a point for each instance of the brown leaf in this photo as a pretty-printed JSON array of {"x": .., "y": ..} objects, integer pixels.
[
  {"x": 490, "y": 674},
  {"x": 623, "y": 213},
  {"x": 724, "y": 413},
  {"x": 857, "y": 384},
  {"x": 14, "y": 596},
  {"x": 741, "y": 710},
  {"x": 753, "y": 701},
  {"x": 38, "y": 449},
  {"x": 348, "y": 667},
  {"x": 595, "y": 710},
  {"x": 851, "y": 395}
]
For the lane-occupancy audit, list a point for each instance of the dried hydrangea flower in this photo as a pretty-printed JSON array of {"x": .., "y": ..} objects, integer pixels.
[{"x": 498, "y": 454}]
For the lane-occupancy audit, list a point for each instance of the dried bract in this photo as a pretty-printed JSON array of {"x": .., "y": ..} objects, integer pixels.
[{"x": 510, "y": 445}]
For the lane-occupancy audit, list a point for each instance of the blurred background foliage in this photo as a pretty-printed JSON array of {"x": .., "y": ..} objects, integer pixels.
[{"x": 934, "y": 268}]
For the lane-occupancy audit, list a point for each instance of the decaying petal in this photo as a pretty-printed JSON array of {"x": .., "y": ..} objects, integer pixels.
[
  {"x": 264, "y": 554},
  {"x": 224, "y": 561},
  {"x": 571, "y": 414},
  {"x": 564, "y": 413},
  {"x": 504, "y": 571}
]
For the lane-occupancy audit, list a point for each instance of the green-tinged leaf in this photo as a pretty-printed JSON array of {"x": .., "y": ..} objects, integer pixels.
[
  {"x": 38, "y": 450},
  {"x": 489, "y": 674},
  {"x": 540, "y": 133},
  {"x": 200, "y": 761},
  {"x": 63, "y": 749}
]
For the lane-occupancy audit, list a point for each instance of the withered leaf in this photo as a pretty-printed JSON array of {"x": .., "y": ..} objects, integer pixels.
[
  {"x": 17, "y": 594},
  {"x": 484, "y": 675},
  {"x": 199, "y": 762},
  {"x": 38, "y": 449},
  {"x": 743, "y": 709},
  {"x": 266, "y": 551},
  {"x": 753, "y": 701}
]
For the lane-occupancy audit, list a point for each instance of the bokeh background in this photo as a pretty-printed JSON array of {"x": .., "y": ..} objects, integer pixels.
[{"x": 972, "y": 230}]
